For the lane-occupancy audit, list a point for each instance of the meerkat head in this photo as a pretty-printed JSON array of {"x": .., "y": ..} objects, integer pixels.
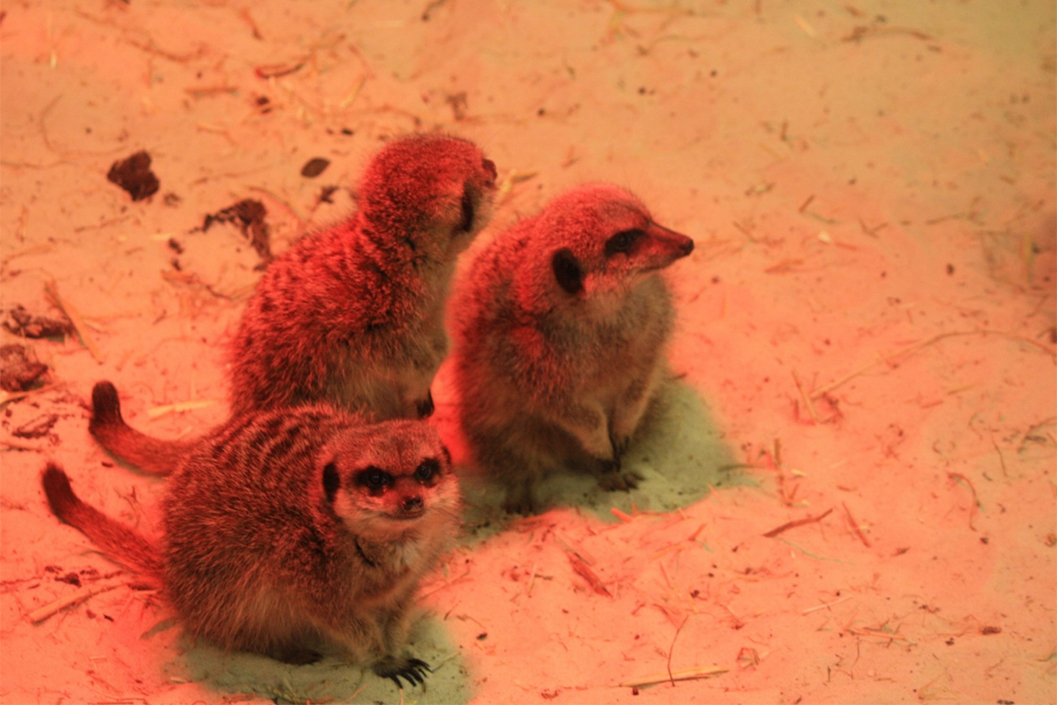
[
  {"x": 598, "y": 241},
  {"x": 388, "y": 480},
  {"x": 436, "y": 191}
]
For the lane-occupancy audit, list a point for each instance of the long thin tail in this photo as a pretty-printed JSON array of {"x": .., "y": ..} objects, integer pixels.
[
  {"x": 114, "y": 538},
  {"x": 152, "y": 455}
]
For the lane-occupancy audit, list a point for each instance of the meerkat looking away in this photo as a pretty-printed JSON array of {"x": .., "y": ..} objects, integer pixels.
[
  {"x": 559, "y": 327},
  {"x": 353, "y": 315},
  {"x": 290, "y": 529}
]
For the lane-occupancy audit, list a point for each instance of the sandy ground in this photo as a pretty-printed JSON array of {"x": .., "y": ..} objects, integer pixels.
[{"x": 866, "y": 335}]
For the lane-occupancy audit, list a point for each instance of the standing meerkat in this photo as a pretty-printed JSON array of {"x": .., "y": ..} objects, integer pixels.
[
  {"x": 353, "y": 315},
  {"x": 560, "y": 326},
  {"x": 290, "y": 529}
]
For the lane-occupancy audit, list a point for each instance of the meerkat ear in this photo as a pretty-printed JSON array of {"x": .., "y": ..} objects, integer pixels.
[
  {"x": 567, "y": 271},
  {"x": 331, "y": 481}
]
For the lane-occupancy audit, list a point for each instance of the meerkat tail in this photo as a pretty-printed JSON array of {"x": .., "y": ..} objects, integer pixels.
[
  {"x": 115, "y": 539},
  {"x": 152, "y": 455}
]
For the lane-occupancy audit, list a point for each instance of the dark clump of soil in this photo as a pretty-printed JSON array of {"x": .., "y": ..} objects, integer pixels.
[
  {"x": 19, "y": 368},
  {"x": 134, "y": 175},
  {"x": 21, "y": 322},
  {"x": 248, "y": 216},
  {"x": 314, "y": 167}
]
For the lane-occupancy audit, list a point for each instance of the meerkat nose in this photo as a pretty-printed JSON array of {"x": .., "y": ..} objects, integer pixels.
[
  {"x": 686, "y": 247},
  {"x": 412, "y": 505},
  {"x": 489, "y": 166}
]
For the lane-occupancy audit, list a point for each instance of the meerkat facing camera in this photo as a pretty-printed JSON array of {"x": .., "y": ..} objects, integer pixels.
[
  {"x": 560, "y": 326},
  {"x": 354, "y": 315},
  {"x": 291, "y": 529}
]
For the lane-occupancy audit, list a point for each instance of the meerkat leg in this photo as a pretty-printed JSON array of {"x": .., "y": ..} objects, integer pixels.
[
  {"x": 508, "y": 458},
  {"x": 396, "y": 664},
  {"x": 631, "y": 406},
  {"x": 589, "y": 425},
  {"x": 378, "y": 638}
]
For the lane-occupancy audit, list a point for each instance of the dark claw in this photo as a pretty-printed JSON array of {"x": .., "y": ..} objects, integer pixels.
[
  {"x": 620, "y": 446},
  {"x": 425, "y": 406},
  {"x": 414, "y": 670}
]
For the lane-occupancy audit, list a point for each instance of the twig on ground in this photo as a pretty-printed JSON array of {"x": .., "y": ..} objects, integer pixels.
[
  {"x": 51, "y": 291},
  {"x": 797, "y": 522},
  {"x": 671, "y": 648},
  {"x": 910, "y": 349},
  {"x": 826, "y": 605},
  {"x": 686, "y": 675},
  {"x": 581, "y": 569},
  {"x": 855, "y": 525},
  {"x": 158, "y": 411},
  {"x": 84, "y": 593},
  {"x": 976, "y": 502}
]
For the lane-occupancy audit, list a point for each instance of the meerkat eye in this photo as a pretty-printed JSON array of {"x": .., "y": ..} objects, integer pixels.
[
  {"x": 467, "y": 211},
  {"x": 623, "y": 241},
  {"x": 331, "y": 482},
  {"x": 374, "y": 479},
  {"x": 427, "y": 471}
]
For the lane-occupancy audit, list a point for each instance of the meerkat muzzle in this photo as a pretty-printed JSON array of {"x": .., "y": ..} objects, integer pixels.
[{"x": 662, "y": 246}]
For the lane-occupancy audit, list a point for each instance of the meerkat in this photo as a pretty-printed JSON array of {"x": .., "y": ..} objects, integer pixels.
[
  {"x": 560, "y": 326},
  {"x": 291, "y": 529},
  {"x": 354, "y": 315}
]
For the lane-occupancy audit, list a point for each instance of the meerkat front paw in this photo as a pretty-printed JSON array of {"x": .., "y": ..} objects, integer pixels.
[
  {"x": 620, "y": 443},
  {"x": 614, "y": 477},
  {"x": 394, "y": 668}
]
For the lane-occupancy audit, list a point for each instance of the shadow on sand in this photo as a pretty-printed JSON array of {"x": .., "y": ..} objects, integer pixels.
[
  {"x": 678, "y": 450},
  {"x": 331, "y": 679}
]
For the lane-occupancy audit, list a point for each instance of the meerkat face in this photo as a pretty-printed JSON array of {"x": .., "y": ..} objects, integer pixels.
[
  {"x": 437, "y": 191},
  {"x": 390, "y": 479},
  {"x": 602, "y": 241}
]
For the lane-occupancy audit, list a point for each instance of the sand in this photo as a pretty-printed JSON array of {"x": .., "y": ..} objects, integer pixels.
[{"x": 849, "y": 487}]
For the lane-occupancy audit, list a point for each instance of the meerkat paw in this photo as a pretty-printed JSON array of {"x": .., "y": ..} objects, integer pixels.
[
  {"x": 394, "y": 668},
  {"x": 614, "y": 477}
]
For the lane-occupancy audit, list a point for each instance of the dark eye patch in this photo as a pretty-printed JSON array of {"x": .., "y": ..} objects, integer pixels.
[
  {"x": 467, "y": 211},
  {"x": 567, "y": 271},
  {"x": 374, "y": 479},
  {"x": 427, "y": 471},
  {"x": 622, "y": 242},
  {"x": 331, "y": 482}
]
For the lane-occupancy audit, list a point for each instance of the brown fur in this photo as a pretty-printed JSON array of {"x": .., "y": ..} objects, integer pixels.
[
  {"x": 559, "y": 329},
  {"x": 354, "y": 315},
  {"x": 289, "y": 529},
  {"x": 152, "y": 455}
]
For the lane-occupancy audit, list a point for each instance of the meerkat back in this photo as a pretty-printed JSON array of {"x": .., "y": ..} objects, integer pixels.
[
  {"x": 354, "y": 315},
  {"x": 560, "y": 327}
]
